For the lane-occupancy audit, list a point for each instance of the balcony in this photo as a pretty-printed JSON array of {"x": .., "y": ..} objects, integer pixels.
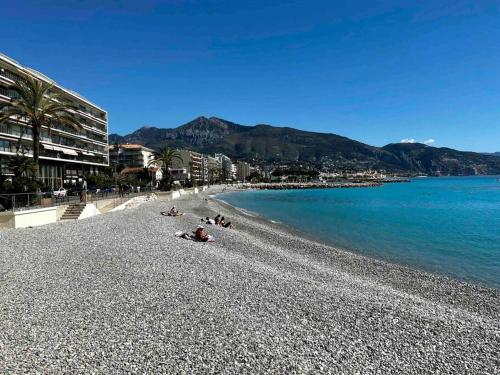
[
  {"x": 7, "y": 148},
  {"x": 8, "y": 130},
  {"x": 8, "y": 74},
  {"x": 80, "y": 158}
]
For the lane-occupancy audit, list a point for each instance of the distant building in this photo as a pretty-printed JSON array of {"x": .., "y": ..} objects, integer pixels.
[
  {"x": 242, "y": 170},
  {"x": 180, "y": 174},
  {"x": 130, "y": 155},
  {"x": 193, "y": 167},
  {"x": 132, "y": 158},
  {"x": 214, "y": 169},
  {"x": 227, "y": 167},
  {"x": 233, "y": 172}
]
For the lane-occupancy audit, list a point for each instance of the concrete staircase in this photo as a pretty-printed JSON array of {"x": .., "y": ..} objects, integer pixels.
[{"x": 73, "y": 211}]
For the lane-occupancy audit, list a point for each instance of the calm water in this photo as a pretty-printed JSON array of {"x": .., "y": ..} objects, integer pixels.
[{"x": 448, "y": 225}]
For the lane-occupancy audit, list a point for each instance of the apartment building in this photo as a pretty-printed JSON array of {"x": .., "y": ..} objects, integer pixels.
[
  {"x": 134, "y": 157},
  {"x": 66, "y": 154},
  {"x": 192, "y": 168},
  {"x": 227, "y": 167},
  {"x": 214, "y": 169},
  {"x": 243, "y": 170}
]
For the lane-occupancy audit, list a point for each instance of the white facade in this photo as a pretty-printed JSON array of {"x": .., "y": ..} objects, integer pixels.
[
  {"x": 65, "y": 153},
  {"x": 227, "y": 167}
]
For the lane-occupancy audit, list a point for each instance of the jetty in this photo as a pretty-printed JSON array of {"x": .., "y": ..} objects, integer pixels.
[{"x": 307, "y": 185}]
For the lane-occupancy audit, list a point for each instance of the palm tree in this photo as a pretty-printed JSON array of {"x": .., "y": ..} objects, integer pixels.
[
  {"x": 117, "y": 166},
  {"x": 164, "y": 157},
  {"x": 21, "y": 165},
  {"x": 40, "y": 106}
]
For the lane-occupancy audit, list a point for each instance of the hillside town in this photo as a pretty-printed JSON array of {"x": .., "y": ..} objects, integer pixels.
[{"x": 191, "y": 168}]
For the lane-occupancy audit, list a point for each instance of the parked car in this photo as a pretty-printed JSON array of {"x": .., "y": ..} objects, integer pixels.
[
  {"x": 107, "y": 190},
  {"x": 60, "y": 193}
]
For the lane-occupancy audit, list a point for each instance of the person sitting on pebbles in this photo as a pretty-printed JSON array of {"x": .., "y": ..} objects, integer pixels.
[
  {"x": 173, "y": 212},
  {"x": 209, "y": 221},
  {"x": 223, "y": 223}
]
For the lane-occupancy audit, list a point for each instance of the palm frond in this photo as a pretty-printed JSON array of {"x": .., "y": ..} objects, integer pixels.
[
  {"x": 64, "y": 119},
  {"x": 6, "y": 114},
  {"x": 40, "y": 105}
]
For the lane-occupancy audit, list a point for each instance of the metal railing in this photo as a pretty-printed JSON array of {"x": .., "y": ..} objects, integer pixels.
[{"x": 30, "y": 201}]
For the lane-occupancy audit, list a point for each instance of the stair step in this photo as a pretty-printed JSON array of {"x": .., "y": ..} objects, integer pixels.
[{"x": 73, "y": 211}]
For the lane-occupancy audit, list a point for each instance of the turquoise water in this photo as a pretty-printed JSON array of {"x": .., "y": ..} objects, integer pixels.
[{"x": 447, "y": 225}]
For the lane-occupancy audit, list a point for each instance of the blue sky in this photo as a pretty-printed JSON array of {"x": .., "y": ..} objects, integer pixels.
[{"x": 375, "y": 71}]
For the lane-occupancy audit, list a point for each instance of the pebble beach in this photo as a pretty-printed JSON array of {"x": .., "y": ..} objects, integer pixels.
[{"x": 119, "y": 293}]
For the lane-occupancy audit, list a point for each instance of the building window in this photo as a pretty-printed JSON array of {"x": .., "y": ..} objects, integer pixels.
[{"x": 4, "y": 146}]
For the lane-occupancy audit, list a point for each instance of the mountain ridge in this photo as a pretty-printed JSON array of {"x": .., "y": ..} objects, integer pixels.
[{"x": 267, "y": 144}]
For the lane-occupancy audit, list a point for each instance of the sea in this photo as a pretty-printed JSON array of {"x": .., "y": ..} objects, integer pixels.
[{"x": 444, "y": 225}]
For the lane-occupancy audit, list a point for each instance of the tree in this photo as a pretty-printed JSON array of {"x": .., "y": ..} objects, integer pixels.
[
  {"x": 21, "y": 165},
  {"x": 164, "y": 157},
  {"x": 213, "y": 174},
  {"x": 40, "y": 106},
  {"x": 23, "y": 168}
]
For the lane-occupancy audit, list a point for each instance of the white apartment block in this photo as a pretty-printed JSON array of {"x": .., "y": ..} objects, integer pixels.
[
  {"x": 133, "y": 156},
  {"x": 227, "y": 167},
  {"x": 65, "y": 153}
]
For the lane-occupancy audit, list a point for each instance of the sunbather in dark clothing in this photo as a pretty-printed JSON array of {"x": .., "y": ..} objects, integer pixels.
[
  {"x": 223, "y": 223},
  {"x": 217, "y": 220}
]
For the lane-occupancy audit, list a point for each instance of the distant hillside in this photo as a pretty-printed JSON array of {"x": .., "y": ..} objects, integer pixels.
[
  {"x": 265, "y": 143},
  {"x": 491, "y": 153},
  {"x": 442, "y": 161}
]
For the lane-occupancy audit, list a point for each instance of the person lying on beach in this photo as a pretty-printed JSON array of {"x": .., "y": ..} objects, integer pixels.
[
  {"x": 223, "y": 223},
  {"x": 199, "y": 235},
  {"x": 173, "y": 212},
  {"x": 185, "y": 235},
  {"x": 209, "y": 221}
]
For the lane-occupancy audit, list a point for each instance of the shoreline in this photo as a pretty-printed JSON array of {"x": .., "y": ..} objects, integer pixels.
[
  {"x": 437, "y": 286},
  {"x": 370, "y": 255},
  {"x": 121, "y": 293}
]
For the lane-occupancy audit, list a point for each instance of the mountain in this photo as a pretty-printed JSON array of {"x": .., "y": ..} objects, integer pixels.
[
  {"x": 443, "y": 160},
  {"x": 269, "y": 144}
]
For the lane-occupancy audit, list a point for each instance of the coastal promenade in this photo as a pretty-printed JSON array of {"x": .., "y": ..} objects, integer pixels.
[{"x": 120, "y": 293}]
